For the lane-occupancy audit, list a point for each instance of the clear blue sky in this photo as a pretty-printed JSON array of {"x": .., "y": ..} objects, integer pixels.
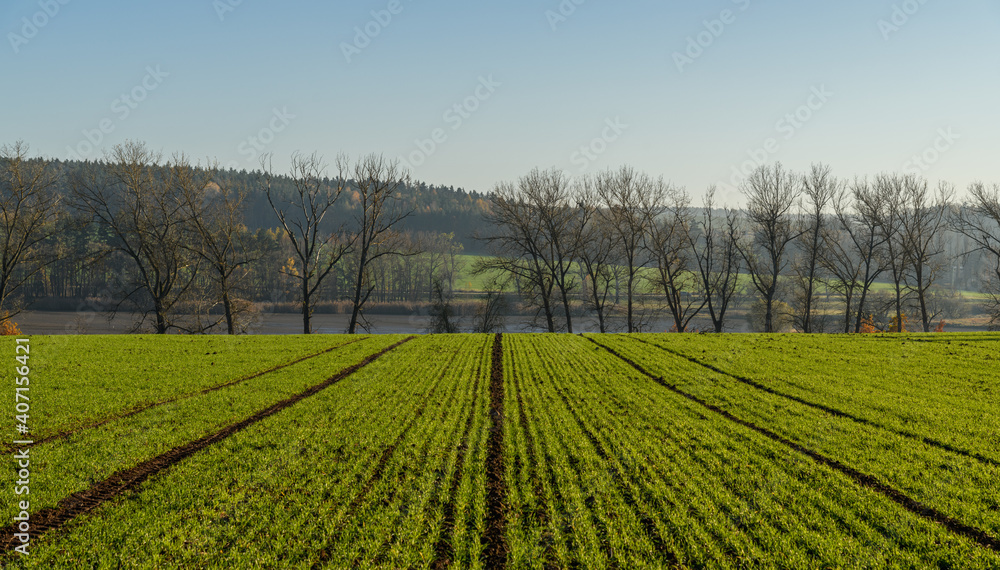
[{"x": 535, "y": 81}]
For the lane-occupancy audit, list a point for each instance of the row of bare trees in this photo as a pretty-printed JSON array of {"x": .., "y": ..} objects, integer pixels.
[
  {"x": 180, "y": 236},
  {"x": 605, "y": 240},
  {"x": 550, "y": 237},
  {"x": 169, "y": 242}
]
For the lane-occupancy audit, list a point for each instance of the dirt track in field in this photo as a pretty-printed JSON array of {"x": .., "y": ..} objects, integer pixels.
[
  {"x": 495, "y": 547},
  {"x": 84, "y": 501},
  {"x": 977, "y": 535},
  {"x": 143, "y": 408}
]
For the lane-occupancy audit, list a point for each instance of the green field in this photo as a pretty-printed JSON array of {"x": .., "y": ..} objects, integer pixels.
[{"x": 514, "y": 450}]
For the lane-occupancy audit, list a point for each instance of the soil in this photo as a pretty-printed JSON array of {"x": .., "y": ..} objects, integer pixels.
[{"x": 494, "y": 554}]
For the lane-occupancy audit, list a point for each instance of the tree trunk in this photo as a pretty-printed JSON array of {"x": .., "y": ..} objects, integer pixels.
[
  {"x": 598, "y": 306},
  {"x": 628, "y": 294},
  {"x": 923, "y": 312},
  {"x": 806, "y": 324},
  {"x": 357, "y": 293},
  {"x": 547, "y": 307},
  {"x": 861, "y": 310},
  {"x": 921, "y": 298},
  {"x": 305, "y": 306},
  {"x": 847, "y": 313},
  {"x": 569, "y": 320},
  {"x": 899, "y": 309},
  {"x": 228, "y": 305},
  {"x": 161, "y": 320}
]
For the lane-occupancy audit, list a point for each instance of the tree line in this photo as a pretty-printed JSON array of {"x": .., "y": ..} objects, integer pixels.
[
  {"x": 168, "y": 241},
  {"x": 171, "y": 242},
  {"x": 610, "y": 242}
]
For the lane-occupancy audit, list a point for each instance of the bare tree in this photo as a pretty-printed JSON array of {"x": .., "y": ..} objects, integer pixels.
[
  {"x": 841, "y": 261},
  {"x": 629, "y": 201},
  {"x": 548, "y": 192},
  {"x": 597, "y": 255},
  {"x": 818, "y": 189},
  {"x": 139, "y": 203},
  {"x": 301, "y": 213},
  {"x": 891, "y": 189},
  {"x": 516, "y": 243},
  {"x": 489, "y": 317},
  {"x": 441, "y": 313},
  {"x": 854, "y": 249},
  {"x": 669, "y": 246},
  {"x": 771, "y": 193},
  {"x": 925, "y": 217},
  {"x": 29, "y": 211},
  {"x": 533, "y": 239},
  {"x": 717, "y": 258},
  {"x": 379, "y": 212},
  {"x": 217, "y": 233},
  {"x": 979, "y": 220}
]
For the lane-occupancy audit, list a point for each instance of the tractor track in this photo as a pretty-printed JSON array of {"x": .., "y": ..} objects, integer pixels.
[{"x": 494, "y": 539}]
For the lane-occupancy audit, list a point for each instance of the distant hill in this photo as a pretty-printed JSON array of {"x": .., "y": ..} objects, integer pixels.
[{"x": 435, "y": 208}]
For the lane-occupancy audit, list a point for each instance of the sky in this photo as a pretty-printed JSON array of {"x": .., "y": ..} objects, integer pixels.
[{"x": 468, "y": 94}]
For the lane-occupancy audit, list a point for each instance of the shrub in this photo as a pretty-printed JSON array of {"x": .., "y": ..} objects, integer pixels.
[{"x": 9, "y": 327}]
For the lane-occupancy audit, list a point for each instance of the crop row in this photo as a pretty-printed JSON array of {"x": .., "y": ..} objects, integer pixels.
[
  {"x": 74, "y": 463},
  {"x": 941, "y": 387},
  {"x": 630, "y": 473},
  {"x": 382, "y": 467},
  {"x": 82, "y": 380},
  {"x": 957, "y": 485},
  {"x": 597, "y": 451}
]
